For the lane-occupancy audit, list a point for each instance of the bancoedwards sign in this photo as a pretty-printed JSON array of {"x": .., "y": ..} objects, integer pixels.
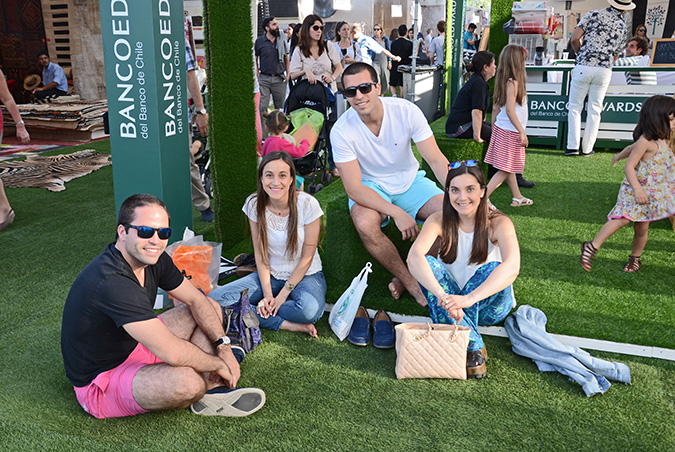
[{"x": 620, "y": 109}]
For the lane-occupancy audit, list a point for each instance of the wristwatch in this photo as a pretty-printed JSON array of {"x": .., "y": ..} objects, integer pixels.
[
  {"x": 201, "y": 112},
  {"x": 290, "y": 286},
  {"x": 222, "y": 341}
]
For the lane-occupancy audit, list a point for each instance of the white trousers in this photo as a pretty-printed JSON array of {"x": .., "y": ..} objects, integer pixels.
[{"x": 594, "y": 82}]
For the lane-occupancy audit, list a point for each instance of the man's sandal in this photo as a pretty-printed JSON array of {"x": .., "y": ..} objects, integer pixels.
[
  {"x": 633, "y": 265},
  {"x": 587, "y": 254},
  {"x": 516, "y": 202}
]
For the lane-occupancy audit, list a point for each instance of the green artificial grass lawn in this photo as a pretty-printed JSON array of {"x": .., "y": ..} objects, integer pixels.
[{"x": 326, "y": 395}]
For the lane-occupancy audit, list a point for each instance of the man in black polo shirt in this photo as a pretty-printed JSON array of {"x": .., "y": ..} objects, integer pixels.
[
  {"x": 272, "y": 65},
  {"x": 121, "y": 358}
]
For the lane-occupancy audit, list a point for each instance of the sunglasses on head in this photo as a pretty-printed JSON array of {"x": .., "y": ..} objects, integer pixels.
[
  {"x": 146, "y": 232},
  {"x": 458, "y": 163},
  {"x": 317, "y": 27},
  {"x": 365, "y": 88}
]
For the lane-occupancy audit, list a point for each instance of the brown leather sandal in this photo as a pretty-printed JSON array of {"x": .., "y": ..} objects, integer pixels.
[
  {"x": 633, "y": 265},
  {"x": 587, "y": 254},
  {"x": 475, "y": 365}
]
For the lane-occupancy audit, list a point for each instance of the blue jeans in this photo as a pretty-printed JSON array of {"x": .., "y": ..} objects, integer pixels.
[
  {"x": 488, "y": 311},
  {"x": 304, "y": 305}
]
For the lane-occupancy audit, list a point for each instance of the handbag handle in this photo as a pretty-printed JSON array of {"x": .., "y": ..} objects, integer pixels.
[{"x": 418, "y": 337}]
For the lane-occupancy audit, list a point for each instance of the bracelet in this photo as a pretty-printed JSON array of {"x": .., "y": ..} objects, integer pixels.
[{"x": 20, "y": 122}]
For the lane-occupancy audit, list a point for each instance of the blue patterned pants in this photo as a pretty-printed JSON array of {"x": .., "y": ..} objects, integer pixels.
[{"x": 488, "y": 311}]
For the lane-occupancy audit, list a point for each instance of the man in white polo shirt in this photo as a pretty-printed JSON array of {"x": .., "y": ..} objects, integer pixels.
[{"x": 372, "y": 150}]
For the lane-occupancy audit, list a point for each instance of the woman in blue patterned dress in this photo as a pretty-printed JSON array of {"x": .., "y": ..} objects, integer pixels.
[{"x": 479, "y": 258}]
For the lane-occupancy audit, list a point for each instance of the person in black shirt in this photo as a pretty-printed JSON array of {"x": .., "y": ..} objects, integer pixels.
[
  {"x": 121, "y": 358},
  {"x": 403, "y": 48},
  {"x": 468, "y": 111}
]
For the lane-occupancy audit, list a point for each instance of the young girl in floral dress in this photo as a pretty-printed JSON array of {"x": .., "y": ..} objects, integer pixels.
[{"x": 648, "y": 192}]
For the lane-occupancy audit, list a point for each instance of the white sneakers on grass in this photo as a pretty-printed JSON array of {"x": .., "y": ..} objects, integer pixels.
[{"x": 221, "y": 401}]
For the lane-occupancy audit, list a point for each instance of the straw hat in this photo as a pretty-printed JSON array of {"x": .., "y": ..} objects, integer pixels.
[
  {"x": 31, "y": 82},
  {"x": 625, "y": 5}
]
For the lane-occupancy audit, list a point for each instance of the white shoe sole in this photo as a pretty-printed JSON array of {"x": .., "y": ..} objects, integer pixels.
[{"x": 235, "y": 403}]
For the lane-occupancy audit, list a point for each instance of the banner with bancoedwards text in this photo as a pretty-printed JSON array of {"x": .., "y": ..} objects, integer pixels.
[{"x": 144, "y": 49}]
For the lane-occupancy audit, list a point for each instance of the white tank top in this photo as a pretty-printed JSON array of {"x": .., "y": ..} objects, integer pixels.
[
  {"x": 503, "y": 121},
  {"x": 461, "y": 270}
]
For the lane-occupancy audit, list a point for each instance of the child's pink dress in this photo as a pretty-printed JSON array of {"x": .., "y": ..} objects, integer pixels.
[
  {"x": 657, "y": 178},
  {"x": 273, "y": 143}
]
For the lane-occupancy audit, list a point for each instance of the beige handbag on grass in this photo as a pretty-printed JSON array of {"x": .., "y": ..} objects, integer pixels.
[{"x": 425, "y": 350}]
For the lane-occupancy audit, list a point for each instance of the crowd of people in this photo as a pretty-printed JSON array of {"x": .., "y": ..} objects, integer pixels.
[{"x": 123, "y": 360}]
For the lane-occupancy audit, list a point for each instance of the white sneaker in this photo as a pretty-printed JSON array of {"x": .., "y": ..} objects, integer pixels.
[{"x": 221, "y": 401}]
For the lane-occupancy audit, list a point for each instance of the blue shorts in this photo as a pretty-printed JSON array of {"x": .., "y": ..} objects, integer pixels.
[{"x": 412, "y": 200}]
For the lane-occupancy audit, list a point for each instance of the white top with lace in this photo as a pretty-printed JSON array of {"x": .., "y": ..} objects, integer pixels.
[{"x": 281, "y": 266}]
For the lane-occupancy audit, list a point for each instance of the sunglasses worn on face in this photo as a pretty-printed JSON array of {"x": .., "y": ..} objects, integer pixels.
[
  {"x": 317, "y": 27},
  {"x": 365, "y": 88},
  {"x": 467, "y": 163},
  {"x": 146, "y": 232},
  {"x": 642, "y": 29},
  {"x": 377, "y": 29}
]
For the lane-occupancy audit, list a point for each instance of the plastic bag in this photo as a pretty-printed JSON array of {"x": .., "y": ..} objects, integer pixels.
[
  {"x": 343, "y": 312},
  {"x": 198, "y": 260}
]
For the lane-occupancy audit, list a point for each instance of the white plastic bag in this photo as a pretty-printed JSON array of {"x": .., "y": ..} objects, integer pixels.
[{"x": 343, "y": 312}]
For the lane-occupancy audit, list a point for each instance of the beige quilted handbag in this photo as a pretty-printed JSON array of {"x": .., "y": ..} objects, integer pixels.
[{"x": 425, "y": 350}]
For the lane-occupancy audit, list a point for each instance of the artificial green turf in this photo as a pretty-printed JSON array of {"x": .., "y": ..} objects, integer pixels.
[{"x": 327, "y": 395}]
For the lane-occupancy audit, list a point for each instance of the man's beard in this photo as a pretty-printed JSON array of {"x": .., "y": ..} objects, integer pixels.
[{"x": 275, "y": 33}]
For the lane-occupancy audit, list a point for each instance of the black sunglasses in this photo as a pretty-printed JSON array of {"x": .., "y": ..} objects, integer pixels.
[
  {"x": 377, "y": 29},
  {"x": 146, "y": 232},
  {"x": 642, "y": 29},
  {"x": 317, "y": 27},
  {"x": 458, "y": 163},
  {"x": 365, "y": 88}
]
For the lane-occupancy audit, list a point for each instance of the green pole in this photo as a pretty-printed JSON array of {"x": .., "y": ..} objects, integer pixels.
[
  {"x": 454, "y": 44},
  {"x": 144, "y": 50}
]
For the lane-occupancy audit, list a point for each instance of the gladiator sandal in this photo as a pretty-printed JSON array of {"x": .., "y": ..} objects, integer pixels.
[
  {"x": 633, "y": 265},
  {"x": 587, "y": 254}
]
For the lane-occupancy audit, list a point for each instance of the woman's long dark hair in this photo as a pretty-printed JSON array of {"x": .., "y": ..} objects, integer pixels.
[
  {"x": 263, "y": 199},
  {"x": 305, "y": 41},
  {"x": 338, "y": 26},
  {"x": 450, "y": 223},
  {"x": 654, "y": 121},
  {"x": 480, "y": 60}
]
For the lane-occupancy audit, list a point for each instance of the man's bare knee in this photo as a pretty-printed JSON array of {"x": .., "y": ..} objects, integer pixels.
[
  {"x": 161, "y": 387},
  {"x": 366, "y": 221}
]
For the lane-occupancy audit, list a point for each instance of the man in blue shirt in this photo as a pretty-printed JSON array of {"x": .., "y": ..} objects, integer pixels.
[
  {"x": 470, "y": 37},
  {"x": 54, "y": 82}
]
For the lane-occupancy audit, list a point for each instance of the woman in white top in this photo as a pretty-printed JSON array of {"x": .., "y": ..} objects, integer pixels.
[
  {"x": 350, "y": 51},
  {"x": 479, "y": 259},
  {"x": 288, "y": 287}
]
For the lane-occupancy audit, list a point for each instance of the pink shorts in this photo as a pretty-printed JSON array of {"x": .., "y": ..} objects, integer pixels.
[{"x": 110, "y": 394}]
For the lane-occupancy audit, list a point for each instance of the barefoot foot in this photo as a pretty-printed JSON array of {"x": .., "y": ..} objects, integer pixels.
[
  {"x": 396, "y": 288},
  {"x": 308, "y": 328}
]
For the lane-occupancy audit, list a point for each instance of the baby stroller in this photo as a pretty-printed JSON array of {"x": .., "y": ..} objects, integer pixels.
[{"x": 303, "y": 100}]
